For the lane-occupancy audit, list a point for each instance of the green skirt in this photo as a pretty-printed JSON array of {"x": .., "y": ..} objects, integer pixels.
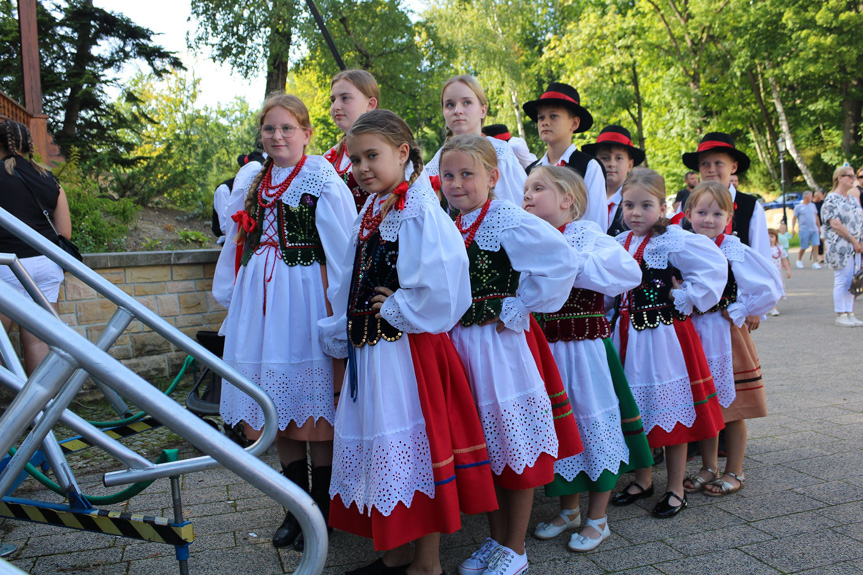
[{"x": 640, "y": 454}]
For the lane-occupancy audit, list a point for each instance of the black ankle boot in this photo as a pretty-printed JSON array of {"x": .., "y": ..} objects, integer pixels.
[
  {"x": 289, "y": 530},
  {"x": 321, "y": 494}
]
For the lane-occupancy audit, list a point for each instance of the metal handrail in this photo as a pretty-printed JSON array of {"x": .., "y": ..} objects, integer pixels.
[
  {"x": 169, "y": 332},
  {"x": 67, "y": 346}
]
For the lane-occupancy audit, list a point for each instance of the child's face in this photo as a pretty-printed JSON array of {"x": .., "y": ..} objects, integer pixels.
[
  {"x": 716, "y": 166},
  {"x": 347, "y": 104},
  {"x": 378, "y": 166},
  {"x": 773, "y": 240},
  {"x": 462, "y": 110},
  {"x": 556, "y": 124},
  {"x": 783, "y": 228},
  {"x": 464, "y": 181},
  {"x": 545, "y": 201},
  {"x": 707, "y": 218},
  {"x": 641, "y": 210},
  {"x": 617, "y": 165},
  {"x": 283, "y": 138}
]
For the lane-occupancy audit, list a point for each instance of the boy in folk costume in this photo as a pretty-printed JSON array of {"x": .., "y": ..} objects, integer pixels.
[
  {"x": 614, "y": 149},
  {"x": 559, "y": 114},
  {"x": 717, "y": 159}
]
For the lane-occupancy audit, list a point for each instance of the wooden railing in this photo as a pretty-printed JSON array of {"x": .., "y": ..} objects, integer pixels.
[{"x": 11, "y": 109}]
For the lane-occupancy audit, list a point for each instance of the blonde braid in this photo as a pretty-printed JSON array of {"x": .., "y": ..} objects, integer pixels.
[{"x": 251, "y": 204}]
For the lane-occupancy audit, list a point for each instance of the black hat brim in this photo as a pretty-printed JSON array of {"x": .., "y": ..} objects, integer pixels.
[
  {"x": 637, "y": 154},
  {"x": 586, "y": 123},
  {"x": 690, "y": 159}
]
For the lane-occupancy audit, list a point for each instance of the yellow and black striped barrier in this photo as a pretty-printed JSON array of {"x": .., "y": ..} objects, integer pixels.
[
  {"x": 80, "y": 443},
  {"x": 131, "y": 525}
]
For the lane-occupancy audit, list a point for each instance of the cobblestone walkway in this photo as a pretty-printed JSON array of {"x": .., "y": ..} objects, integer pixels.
[{"x": 801, "y": 511}]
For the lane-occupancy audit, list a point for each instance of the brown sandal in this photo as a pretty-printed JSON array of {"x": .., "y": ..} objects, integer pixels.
[
  {"x": 726, "y": 488},
  {"x": 699, "y": 482}
]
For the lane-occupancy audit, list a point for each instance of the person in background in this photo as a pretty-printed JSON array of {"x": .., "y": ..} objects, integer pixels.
[
  {"x": 222, "y": 196},
  {"x": 843, "y": 234},
  {"x": 519, "y": 145},
  {"x": 818, "y": 200},
  {"x": 691, "y": 180},
  {"x": 780, "y": 259},
  {"x": 22, "y": 181},
  {"x": 785, "y": 236},
  {"x": 806, "y": 216},
  {"x": 558, "y": 114}
]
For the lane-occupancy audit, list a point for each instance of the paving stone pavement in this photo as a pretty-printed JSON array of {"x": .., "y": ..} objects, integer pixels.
[{"x": 801, "y": 511}]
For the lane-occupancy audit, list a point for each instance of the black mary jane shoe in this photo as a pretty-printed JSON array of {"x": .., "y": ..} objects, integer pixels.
[
  {"x": 378, "y": 567},
  {"x": 664, "y": 509},
  {"x": 626, "y": 498}
]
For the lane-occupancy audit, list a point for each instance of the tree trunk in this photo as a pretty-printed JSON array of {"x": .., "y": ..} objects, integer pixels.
[
  {"x": 279, "y": 47},
  {"x": 513, "y": 94},
  {"x": 639, "y": 106},
  {"x": 77, "y": 77},
  {"x": 763, "y": 151},
  {"x": 851, "y": 108},
  {"x": 755, "y": 86},
  {"x": 789, "y": 139}
]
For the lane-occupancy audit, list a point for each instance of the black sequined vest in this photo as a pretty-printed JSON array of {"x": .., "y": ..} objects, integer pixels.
[
  {"x": 491, "y": 280},
  {"x": 374, "y": 265}
]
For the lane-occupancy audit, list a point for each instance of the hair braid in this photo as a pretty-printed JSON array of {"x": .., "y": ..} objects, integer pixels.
[{"x": 251, "y": 203}]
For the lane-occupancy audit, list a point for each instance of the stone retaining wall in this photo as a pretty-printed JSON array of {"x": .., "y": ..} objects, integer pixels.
[{"x": 176, "y": 285}]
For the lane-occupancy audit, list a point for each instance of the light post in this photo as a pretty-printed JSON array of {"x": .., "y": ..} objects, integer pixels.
[{"x": 781, "y": 145}]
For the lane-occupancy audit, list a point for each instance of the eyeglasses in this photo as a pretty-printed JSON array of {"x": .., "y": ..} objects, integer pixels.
[
  {"x": 847, "y": 176},
  {"x": 860, "y": 176},
  {"x": 286, "y": 130}
]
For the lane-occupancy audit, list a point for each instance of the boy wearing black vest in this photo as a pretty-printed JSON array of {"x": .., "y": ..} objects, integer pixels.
[
  {"x": 717, "y": 159},
  {"x": 558, "y": 115},
  {"x": 614, "y": 149}
]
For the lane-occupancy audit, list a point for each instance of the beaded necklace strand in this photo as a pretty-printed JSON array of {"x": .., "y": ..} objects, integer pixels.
[
  {"x": 471, "y": 230},
  {"x": 266, "y": 184}
]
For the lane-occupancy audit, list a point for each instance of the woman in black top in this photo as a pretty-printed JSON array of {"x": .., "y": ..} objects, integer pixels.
[{"x": 21, "y": 178}]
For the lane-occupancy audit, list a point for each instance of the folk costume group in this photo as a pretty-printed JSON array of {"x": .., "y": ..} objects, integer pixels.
[{"x": 445, "y": 338}]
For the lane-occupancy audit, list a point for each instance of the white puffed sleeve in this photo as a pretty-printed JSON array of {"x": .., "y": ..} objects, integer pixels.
[
  {"x": 434, "y": 275},
  {"x": 597, "y": 203},
  {"x": 226, "y": 267},
  {"x": 759, "y": 286},
  {"x": 510, "y": 186},
  {"x": 704, "y": 270},
  {"x": 606, "y": 267},
  {"x": 548, "y": 268},
  {"x": 334, "y": 218}
]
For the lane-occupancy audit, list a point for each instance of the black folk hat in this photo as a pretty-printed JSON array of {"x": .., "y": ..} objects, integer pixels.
[
  {"x": 614, "y": 135},
  {"x": 497, "y": 131},
  {"x": 717, "y": 142},
  {"x": 561, "y": 95}
]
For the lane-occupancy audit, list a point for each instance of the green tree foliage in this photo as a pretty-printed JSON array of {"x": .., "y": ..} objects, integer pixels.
[
  {"x": 182, "y": 151},
  {"x": 81, "y": 49}
]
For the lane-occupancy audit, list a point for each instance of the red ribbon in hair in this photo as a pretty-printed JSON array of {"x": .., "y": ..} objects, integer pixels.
[
  {"x": 435, "y": 182},
  {"x": 246, "y": 221},
  {"x": 401, "y": 191}
]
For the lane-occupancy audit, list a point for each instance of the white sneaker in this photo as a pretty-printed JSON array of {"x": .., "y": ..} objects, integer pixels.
[
  {"x": 799, "y": 265},
  {"x": 854, "y": 320},
  {"x": 581, "y": 543},
  {"x": 478, "y": 560},
  {"x": 774, "y": 312},
  {"x": 550, "y": 530},
  {"x": 505, "y": 561},
  {"x": 816, "y": 266},
  {"x": 844, "y": 321}
]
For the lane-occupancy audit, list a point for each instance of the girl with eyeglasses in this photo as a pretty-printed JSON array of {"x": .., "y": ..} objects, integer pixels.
[{"x": 274, "y": 278}]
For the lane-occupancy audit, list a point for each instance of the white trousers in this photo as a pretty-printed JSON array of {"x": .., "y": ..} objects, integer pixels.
[{"x": 843, "y": 300}]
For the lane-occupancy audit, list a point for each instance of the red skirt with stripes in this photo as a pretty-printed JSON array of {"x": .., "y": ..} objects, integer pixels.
[
  {"x": 708, "y": 412},
  {"x": 463, "y": 478},
  {"x": 569, "y": 440}
]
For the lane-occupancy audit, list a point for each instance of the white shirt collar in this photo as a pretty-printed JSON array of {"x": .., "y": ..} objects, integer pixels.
[
  {"x": 616, "y": 197},
  {"x": 733, "y": 191},
  {"x": 564, "y": 157}
]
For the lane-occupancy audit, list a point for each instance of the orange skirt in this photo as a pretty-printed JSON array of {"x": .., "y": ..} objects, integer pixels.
[{"x": 751, "y": 400}]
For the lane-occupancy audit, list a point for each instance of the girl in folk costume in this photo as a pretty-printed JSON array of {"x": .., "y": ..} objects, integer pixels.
[
  {"x": 660, "y": 351},
  {"x": 464, "y": 110},
  {"x": 518, "y": 264},
  {"x": 352, "y": 93},
  {"x": 274, "y": 280},
  {"x": 409, "y": 451},
  {"x": 753, "y": 289},
  {"x": 578, "y": 333}
]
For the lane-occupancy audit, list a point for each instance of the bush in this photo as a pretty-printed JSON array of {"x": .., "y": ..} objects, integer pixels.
[{"x": 99, "y": 222}]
